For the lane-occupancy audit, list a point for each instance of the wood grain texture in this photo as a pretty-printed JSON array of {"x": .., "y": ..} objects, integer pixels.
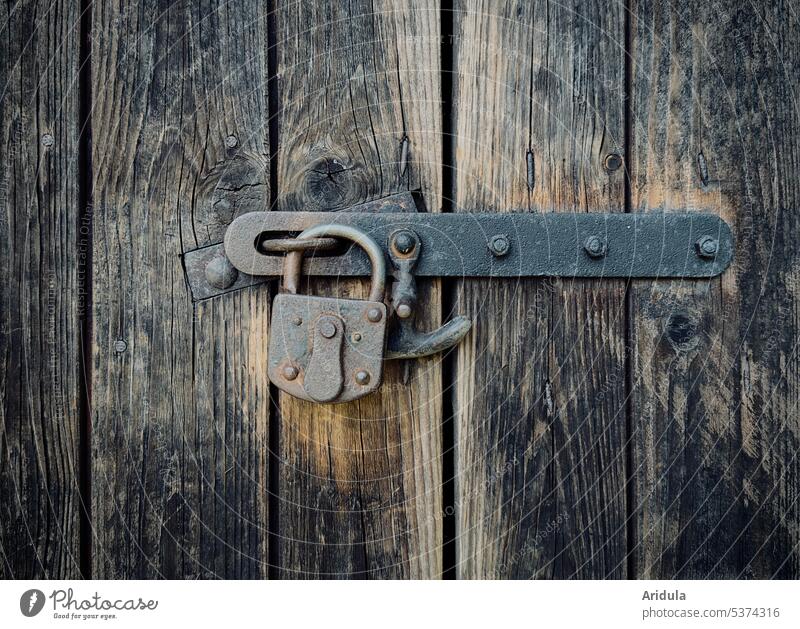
[
  {"x": 180, "y": 401},
  {"x": 570, "y": 462},
  {"x": 539, "y": 398},
  {"x": 360, "y": 483},
  {"x": 715, "y": 372},
  {"x": 40, "y": 305}
]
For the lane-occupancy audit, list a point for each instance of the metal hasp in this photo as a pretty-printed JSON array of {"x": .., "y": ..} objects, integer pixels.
[
  {"x": 653, "y": 245},
  {"x": 331, "y": 350}
]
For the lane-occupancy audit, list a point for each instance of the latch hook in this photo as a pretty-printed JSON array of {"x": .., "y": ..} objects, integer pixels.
[{"x": 404, "y": 339}]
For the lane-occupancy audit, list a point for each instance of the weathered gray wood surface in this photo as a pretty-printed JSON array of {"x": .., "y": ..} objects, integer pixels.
[
  {"x": 180, "y": 403},
  {"x": 360, "y": 483},
  {"x": 599, "y": 433},
  {"x": 715, "y": 375},
  {"x": 538, "y": 104},
  {"x": 40, "y": 301}
]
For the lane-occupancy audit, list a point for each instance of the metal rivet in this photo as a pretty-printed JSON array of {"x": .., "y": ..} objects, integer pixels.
[
  {"x": 707, "y": 247},
  {"x": 220, "y": 273},
  {"x": 231, "y": 141},
  {"x": 356, "y": 337},
  {"x": 499, "y": 245},
  {"x": 362, "y": 377},
  {"x": 327, "y": 328},
  {"x": 290, "y": 372},
  {"x": 374, "y": 315},
  {"x": 404, "y": 242},
  {"x": 404, "y": 311},
  {"x": 47, "y": 140},
  {"x": 297, "y": 321},
  {"x": 120, "y": 346},
  {"x": 612, "y": 162},
  {"x": 595, "y": 246}
]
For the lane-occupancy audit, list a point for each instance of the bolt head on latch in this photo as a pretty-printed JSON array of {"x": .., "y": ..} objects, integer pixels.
[
  {"x": 404, "y": 311},
  {"x": 404, "y": 242},
  {"x": 499, "y": 245},
  {"x": 595, "y": 246},
  {"x": 707, "y": 247},
  {"x": 220, "y": 273}
]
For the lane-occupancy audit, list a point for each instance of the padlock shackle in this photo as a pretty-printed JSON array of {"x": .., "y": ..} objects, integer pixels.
[{"x": 293, "y": 263}]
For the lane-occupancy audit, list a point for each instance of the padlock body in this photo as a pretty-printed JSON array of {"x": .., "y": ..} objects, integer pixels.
[{"x": 326, "y": 349}]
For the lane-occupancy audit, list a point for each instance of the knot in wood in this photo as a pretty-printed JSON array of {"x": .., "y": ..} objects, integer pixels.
[{"x": 331, "y": 185}]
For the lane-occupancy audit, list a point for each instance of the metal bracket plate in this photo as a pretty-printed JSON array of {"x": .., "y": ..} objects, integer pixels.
[{"x": 647, "y": 245}]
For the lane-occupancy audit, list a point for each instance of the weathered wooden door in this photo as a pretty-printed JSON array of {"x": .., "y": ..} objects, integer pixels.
[{"x": 584, "y": 428}]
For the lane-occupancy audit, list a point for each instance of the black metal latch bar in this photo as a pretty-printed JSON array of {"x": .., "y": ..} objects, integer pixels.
[
  {"x": 647, "y": 245},
  {"x": 508, "y": 245}
]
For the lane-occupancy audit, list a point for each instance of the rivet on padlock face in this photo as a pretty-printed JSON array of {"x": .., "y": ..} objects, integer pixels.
[{"x": 326, "y": 349}]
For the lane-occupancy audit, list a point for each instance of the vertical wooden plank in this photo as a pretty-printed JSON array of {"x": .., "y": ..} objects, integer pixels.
[
  {"x": 361, "y": 482},
  {"x": 180, "y": 398},
  {"x": 715, "y": 372},
  {"x": 40, "y": 303},
  {"x": 539, "y": 403}
]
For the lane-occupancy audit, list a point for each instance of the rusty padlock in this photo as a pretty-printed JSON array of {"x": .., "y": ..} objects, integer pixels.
[{"x": 327, "y": 349}]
